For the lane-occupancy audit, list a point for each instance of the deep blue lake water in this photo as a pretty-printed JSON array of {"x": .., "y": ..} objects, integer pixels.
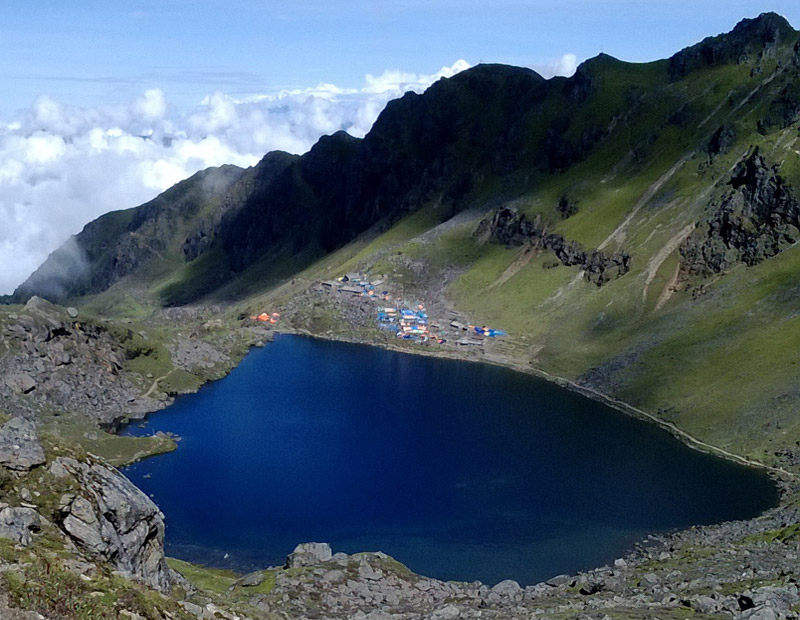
[{"x": 461, "y": 471}]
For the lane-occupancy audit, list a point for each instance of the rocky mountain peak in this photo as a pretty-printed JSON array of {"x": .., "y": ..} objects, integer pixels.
[
  {"x": 750, "y": 39},
  {"x": 766, "y": 27}
]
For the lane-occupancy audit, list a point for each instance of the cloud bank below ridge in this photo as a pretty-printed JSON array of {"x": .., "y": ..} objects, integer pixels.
[{"x": 62, "y": 166}]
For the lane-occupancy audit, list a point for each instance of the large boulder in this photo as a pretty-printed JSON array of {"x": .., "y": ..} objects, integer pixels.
[
  {"x": 309, "y": 554},
  {"x": 769, "y": 602},
  {"x": 115, "y": 521},
  {"x": 19, "y": 524},
  {"x": 19, "y": 445},
  {"x": 20, "y": 382}
]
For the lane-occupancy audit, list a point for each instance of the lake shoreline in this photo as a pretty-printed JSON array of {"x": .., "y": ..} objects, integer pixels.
[
  {"x": 778, "y": 474},
  {"x": 613, "y": 475},
  {"x": 262, "y": 338}
]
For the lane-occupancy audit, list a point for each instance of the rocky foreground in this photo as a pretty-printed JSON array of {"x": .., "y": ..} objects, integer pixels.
[
  {"x": 79, "y": 541},
  {"x": 54, "y": 360},
  {"x": 718, "y": 572}
]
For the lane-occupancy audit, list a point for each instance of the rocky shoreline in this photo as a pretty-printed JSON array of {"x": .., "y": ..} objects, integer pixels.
[{"x": 375, "y": 586}]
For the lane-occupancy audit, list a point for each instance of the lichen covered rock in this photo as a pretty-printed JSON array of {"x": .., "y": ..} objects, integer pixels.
[
  {"x": 115, "y": 522},
  {"x": 19, "y": 524}
]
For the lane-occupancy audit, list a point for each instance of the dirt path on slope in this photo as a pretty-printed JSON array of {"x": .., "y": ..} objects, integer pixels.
[
  {"x": 646, "y": 197},
  {"x": 514, "y": 268},
  {"x": 155, "y": 384},
  {"x": 664, "y": 253}
]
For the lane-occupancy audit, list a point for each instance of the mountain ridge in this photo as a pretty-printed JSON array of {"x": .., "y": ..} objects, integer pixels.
[
  {"x": 761, "y": 35},
  {"x": 428, "y": 135}
]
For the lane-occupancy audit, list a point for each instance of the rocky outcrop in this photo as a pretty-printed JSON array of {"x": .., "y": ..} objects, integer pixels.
[
  {"x": 19, "y": 445},
  {"x": 784, "y": 110},
  {"x": 20, "y": 382},
  {"x": 110, "y": 519},
  {"x": 566, "y": 208},
  {"x": 722, "y": 571},
  {"x": 750, "y": 41},
  {"x": 757, "y": 219},
  {"x": 189, "y": 354},
  {"x": 54, "y": 360},
  {"x": 768, "y": 602},
  {"x": 720, "y": 141},
  {"x": 309, "y": 554},
  {"x": 511, "y": 228}
]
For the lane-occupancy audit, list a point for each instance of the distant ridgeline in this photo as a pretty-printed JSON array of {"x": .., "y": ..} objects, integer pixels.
[{"x": 489, "y": 135}]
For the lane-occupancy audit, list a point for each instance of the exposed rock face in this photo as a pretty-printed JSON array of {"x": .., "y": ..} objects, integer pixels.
[
  {"x": 19, "y": 445},
  {"x": 757, "y": 219},
  {"x": 53, "y": 360},
  {"x": 751, "y": 40},
  {"x": 768, "y": 602},
  {"x": 507, "y": 587},
  {"x": 20, "y": 382},
  {"x": 720, "y": 141},
  {"x": 19, "y": 524},
  {"x": 115, "y": 522},
  {"x": 252, "y": 580},
  {"x": 509, "y": 227},
  {"x": 784, "y": 109}
]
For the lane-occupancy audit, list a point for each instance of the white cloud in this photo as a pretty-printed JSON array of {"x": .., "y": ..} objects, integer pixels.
[
  {"x": 151, "y": 106},
  {"x": 394, "y": 81},
  {"x": 566, "y": 66},
  {"x": 62, "y": 166}
]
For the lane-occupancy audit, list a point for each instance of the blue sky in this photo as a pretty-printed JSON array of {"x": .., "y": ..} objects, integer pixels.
[
  {"x": 106, "y": 104},
  {"x": 91, "y": 52}
]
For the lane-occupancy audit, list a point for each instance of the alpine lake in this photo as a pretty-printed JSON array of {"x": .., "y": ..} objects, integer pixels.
[{"x": 459, "y": 470}]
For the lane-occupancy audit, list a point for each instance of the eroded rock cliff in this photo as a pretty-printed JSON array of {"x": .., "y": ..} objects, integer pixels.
[
  {"x": 757, "y": 219},
  {"x": 511, "y": 228}
]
